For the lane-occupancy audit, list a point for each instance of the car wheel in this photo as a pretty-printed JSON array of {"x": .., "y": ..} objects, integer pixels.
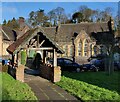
[
  {"x": 96, "y": 70},
  {"x": 77, "y": 69}
]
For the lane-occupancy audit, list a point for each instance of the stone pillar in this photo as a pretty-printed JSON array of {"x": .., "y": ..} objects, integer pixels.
[
  {"x": 15, "y": 58},
  {"x": 54, "y": 58},
  {"x": 56, "y": 74},
  {"x": 20, "y": 73},
  {"x": 1, "y": 44}
]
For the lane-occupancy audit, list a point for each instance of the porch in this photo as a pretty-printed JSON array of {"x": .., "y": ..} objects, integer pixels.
[{"x": 35, "y": 40}]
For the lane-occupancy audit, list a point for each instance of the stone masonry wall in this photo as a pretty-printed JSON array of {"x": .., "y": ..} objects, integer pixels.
[{"x": 20, "y": 73}]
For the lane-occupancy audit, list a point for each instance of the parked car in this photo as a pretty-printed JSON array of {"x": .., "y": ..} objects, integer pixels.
[
  {"x": 6, "y": 61},
  {"x": 68, "y": 65},
  {"x": 101, "y": 64},
  {"x": 117, "y": 65},
  {"x": 98, "y": 63},
  {"x": 89, "y": 67}
]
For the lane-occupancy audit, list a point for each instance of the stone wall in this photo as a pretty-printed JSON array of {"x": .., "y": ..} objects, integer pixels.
[
  {"x": 56, "y": 74},
  {"x": 20, "y": 73},
  {"x": 50, "y": 73},
  {"x": 4, "y": 47},
  {"x": 46, "y": 72}
]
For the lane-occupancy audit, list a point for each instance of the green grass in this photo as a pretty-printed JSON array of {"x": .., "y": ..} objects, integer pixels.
[
  {"x": 91, "y": 85},
  {"x": 15, "y": 90}
]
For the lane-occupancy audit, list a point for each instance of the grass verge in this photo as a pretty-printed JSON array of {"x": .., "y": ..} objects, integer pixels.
[
  {"x": 78, "y": 85},
  {"x": 15, "y": 90}
]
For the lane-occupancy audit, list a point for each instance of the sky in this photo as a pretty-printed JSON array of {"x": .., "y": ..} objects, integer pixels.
[{"x": 18, "y": 9}]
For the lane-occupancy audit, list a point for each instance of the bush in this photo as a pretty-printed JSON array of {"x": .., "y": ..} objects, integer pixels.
[{"x": 23, "y": 57}]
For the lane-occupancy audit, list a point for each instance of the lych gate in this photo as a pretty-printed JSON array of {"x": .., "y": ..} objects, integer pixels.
[{"x": 36, "y": 40}]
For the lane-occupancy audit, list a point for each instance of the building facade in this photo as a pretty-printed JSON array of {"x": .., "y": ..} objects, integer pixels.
[
  {"x": 76, "y": 39},
  {"x": 8, "y": 36}
]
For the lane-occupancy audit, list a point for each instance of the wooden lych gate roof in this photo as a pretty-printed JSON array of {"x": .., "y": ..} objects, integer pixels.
[{"x": 25, "y": 38}]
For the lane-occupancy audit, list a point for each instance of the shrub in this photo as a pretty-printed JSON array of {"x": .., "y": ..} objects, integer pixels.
[{"x": 23, "y": 57}]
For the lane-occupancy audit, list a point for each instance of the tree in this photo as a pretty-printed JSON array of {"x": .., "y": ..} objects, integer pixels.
[
  {"x": 52, "y": 16},
  {"x": 109, "y": 11},
  {"x": 60, "y": 14},
  {"x": 37, "y": 18},
  {"x": 41, "y": 17},
  {"x": 108, "y": 40},
  {"x": 87, "y": 12},
  {"x": 57, "y": 16},
  {"x": 77, "y": 16},
  {"x": 4, "y": 22},
  {"x": 105, "y": 14},
  {"x": 96, "y": 15},
  {"x": 12, "y": 23}
]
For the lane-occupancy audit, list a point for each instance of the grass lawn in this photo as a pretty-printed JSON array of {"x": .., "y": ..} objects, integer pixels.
[
  {"x": 92, "y": 85},
  {"x": 15, "y": 90}
]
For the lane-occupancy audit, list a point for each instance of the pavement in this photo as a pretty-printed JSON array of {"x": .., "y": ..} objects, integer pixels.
[{"x": 46, "y": 90}]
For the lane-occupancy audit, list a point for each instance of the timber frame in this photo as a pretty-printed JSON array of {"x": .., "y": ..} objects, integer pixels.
[{"x": 37, "y": 40}]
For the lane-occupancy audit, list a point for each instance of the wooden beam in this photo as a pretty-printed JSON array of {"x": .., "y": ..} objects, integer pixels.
[
  {"x": 42, "y": 48},
  {"x": 37, "y": 40},
  {"x": 32, "y": 42},
  {"x": 41, "y": 43},
  {"x": 54, "y": 58},
  {"x": 44, "y": 56}
]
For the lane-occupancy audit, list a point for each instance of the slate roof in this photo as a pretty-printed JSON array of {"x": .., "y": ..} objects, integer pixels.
[
  {"x": 8, "y": 33},
  {"x": 66, "y": 31},
  {"x": 17, "y": 45}
]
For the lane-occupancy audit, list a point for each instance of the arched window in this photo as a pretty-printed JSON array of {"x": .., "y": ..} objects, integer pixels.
[
  {"x": 85, "y": 48},
  {"x": 80, "y": 48}
]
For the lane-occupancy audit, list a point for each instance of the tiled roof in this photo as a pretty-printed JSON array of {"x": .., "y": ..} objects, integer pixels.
[
  {"x": 8, "y": 33},
  {"x": 66, "y": 31},
  {"x": 17, "y": 45}
]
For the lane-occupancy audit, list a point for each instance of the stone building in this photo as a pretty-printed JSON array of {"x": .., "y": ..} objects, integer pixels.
[
  {"x": 76, "y": 39},
  {"x": 8, "y": 36}
]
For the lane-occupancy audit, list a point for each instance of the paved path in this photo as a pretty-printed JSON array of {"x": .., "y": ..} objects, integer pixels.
[{"x": 46, "y": 90}]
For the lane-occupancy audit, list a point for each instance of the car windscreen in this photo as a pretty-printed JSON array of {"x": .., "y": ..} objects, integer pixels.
[{"x": 68, "y": 61}]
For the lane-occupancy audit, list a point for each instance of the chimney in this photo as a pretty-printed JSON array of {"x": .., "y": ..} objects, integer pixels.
[
  {"x": 21, "y": 22},
  {"x": 111, "y": 24},
  {"x": 58, "y": 27}
]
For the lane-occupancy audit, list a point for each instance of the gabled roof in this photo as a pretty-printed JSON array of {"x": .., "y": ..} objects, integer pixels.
[
  {"x": 8, "y": 33},
  {"x": 17, "y": 45},
  {"x": 66, "y": 31}
]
